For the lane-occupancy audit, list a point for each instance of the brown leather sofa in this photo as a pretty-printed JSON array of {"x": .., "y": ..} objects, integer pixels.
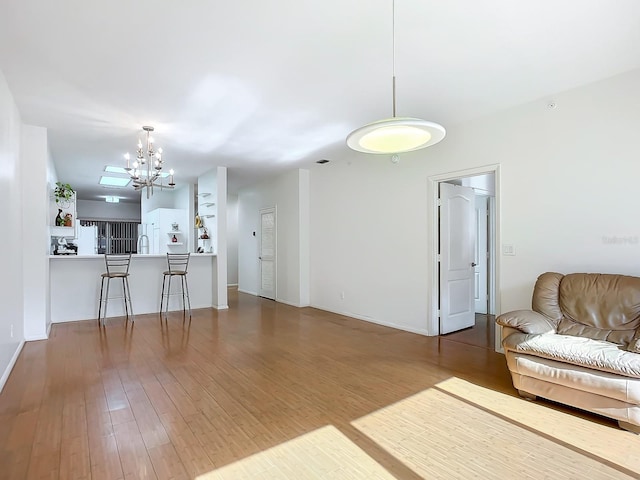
[{"x": 580, "y": 344}]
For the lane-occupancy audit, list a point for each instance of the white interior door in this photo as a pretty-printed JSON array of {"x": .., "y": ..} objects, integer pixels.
[
  {"x": 267, "y": 256},
  {"x": 457, "y": 255},
  {"x": 481, "y": 291}
]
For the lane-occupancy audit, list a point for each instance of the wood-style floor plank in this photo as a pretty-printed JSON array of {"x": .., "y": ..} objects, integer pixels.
[{"x": 266, "y": 390}]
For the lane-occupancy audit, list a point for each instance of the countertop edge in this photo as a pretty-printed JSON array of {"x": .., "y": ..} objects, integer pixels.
[{"x": 133, "y": 256}]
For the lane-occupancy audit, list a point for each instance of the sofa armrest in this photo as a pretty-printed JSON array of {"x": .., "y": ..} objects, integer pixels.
[{"x": 527, "y": 321}]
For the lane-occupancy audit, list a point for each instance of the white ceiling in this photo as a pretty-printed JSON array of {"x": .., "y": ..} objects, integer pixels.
[{"x": 261, "y": 86}]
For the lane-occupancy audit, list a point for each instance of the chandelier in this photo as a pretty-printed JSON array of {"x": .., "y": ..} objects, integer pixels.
[
  {"x": 146, "y": 170},
  {"x": 395, "y": 134}
]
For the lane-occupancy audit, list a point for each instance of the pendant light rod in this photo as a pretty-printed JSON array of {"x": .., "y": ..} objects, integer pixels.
[{"x": 393, "y": 54}]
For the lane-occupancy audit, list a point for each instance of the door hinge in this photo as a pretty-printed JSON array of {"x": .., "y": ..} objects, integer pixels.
[
  {"x": 439, "y": 313},
  {"x": 439, "y": 257},
  {"x": 439, "y": 202}
]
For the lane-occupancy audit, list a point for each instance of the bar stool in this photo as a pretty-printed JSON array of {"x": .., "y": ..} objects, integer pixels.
[
  {"x": 177, "y": 264},
  {"x": 117, "y": 267}
]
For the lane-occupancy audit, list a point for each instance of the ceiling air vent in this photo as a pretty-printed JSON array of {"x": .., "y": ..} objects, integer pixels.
[{"x": 323, "y": 161}]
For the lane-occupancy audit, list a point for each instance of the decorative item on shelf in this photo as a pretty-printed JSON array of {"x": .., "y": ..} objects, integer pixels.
[
  {"x": 150, "y": 176},
  {"x": 174, "y": 239},
  {"x": 198, "y": 221},
  {"x": 205, "y": 234},
  {"x": 175, "y": 227},
  {"x": 63, "y": 193},
  {"x": 395, "y": 134},
  {"x": 68, "y": 220},
  {"x": 59, "y": 219}
]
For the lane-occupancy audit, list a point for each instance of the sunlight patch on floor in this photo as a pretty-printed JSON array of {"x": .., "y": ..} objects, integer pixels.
[
  {"x": 324, "y": 453},
  {"x": 460, "y": 430}
]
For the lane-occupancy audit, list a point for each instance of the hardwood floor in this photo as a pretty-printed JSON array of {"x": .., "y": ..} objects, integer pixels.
[{"x": 265, "y": 390}]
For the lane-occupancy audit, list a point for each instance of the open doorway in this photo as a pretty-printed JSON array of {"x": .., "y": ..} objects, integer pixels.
[{"x": 465, "y": 231}]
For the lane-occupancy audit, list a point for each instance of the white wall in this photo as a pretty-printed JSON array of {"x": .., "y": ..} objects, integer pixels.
[
  {"x": 232, "y": 239},
  {"x": 12, "y": 292},
  {"x": 101, "y": 210},
  {"x": 36, "y": 193},
  {"x": 568, "y": 187},
  {"x": 287, "y": 193}
]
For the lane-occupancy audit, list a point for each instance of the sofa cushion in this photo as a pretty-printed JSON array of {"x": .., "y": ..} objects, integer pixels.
[
  {"x": 546, "y": 296},
  {"x": 619, "y": 337},
  {"x": 585, "y": 352},
  {"x": 605, "y": 301}
]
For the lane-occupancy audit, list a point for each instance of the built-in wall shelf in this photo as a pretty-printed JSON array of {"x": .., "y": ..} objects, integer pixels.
[
  {"x": 208, "y": 204},
  {"x": 174, "y": 232},
  {"x": 208, "y": 216},
  {"x": 204, "y": 194},
  {"x": 175, "y": 243}
]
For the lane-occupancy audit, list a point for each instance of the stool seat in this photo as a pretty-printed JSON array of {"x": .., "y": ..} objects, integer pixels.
[
  {"x": 177, "y": 264},
  {"x": 117, "y": 267},
  {"x": 115, "y": 275}
]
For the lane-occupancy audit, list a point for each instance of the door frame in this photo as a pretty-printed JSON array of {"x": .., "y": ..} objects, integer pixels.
[{"x": 433, "y": 289}]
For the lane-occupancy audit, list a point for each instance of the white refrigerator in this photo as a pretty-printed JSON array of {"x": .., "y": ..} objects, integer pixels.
[{"x": 87, "y": 240}]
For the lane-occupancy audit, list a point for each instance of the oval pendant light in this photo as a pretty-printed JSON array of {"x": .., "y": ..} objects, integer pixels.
[{"x": 395, "y": 134}]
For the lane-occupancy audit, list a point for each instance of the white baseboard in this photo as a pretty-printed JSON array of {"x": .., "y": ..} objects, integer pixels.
[
  {"x": 280, "y": 300},
  {"x": 12, "y": 362},
  {"x": 255, "y": 294},
  {"x": 230, "y": 285},
  {"x": 35, "y": 338},
  {"x": 221, "y": 307},
  {"x": 298, "y": 305},
  {"x": 419, "y": 331}
]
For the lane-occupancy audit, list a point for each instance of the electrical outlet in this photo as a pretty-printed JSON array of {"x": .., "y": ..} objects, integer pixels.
[
  {"x": 341, "y": 295},
  {"x": 12, "y": 330}
]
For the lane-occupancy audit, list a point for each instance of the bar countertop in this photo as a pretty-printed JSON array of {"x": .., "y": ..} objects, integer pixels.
[{"x": 75, "y": 285}]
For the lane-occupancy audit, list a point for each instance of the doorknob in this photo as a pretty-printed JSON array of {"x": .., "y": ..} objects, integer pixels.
[
  {"x": 473, "y": 264},
  {"x": 259, "y": 258}
]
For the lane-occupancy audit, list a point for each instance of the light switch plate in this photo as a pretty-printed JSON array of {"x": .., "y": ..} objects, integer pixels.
[{"x": 508, "y": 249}]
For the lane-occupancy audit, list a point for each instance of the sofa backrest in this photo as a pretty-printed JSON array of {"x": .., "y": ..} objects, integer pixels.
[{"x": 594, "y": 305}]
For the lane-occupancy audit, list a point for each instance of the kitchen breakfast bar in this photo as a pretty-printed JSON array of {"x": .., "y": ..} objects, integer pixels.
[{"x": 75, "y": 285}]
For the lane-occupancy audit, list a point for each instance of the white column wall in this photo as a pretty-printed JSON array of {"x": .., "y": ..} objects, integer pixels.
[
  {"x": 569, "y": 199},
  {"x": 214, "y": 182},
  {"x": 232, "y": 239},
  {"x": 220, "y": 293},
  {"x": 35, "y": 232},
  {"x": 12, "y": 291}
]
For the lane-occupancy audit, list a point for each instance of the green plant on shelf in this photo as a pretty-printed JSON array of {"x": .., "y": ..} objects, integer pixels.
[{"x": 63, "y": 193}]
